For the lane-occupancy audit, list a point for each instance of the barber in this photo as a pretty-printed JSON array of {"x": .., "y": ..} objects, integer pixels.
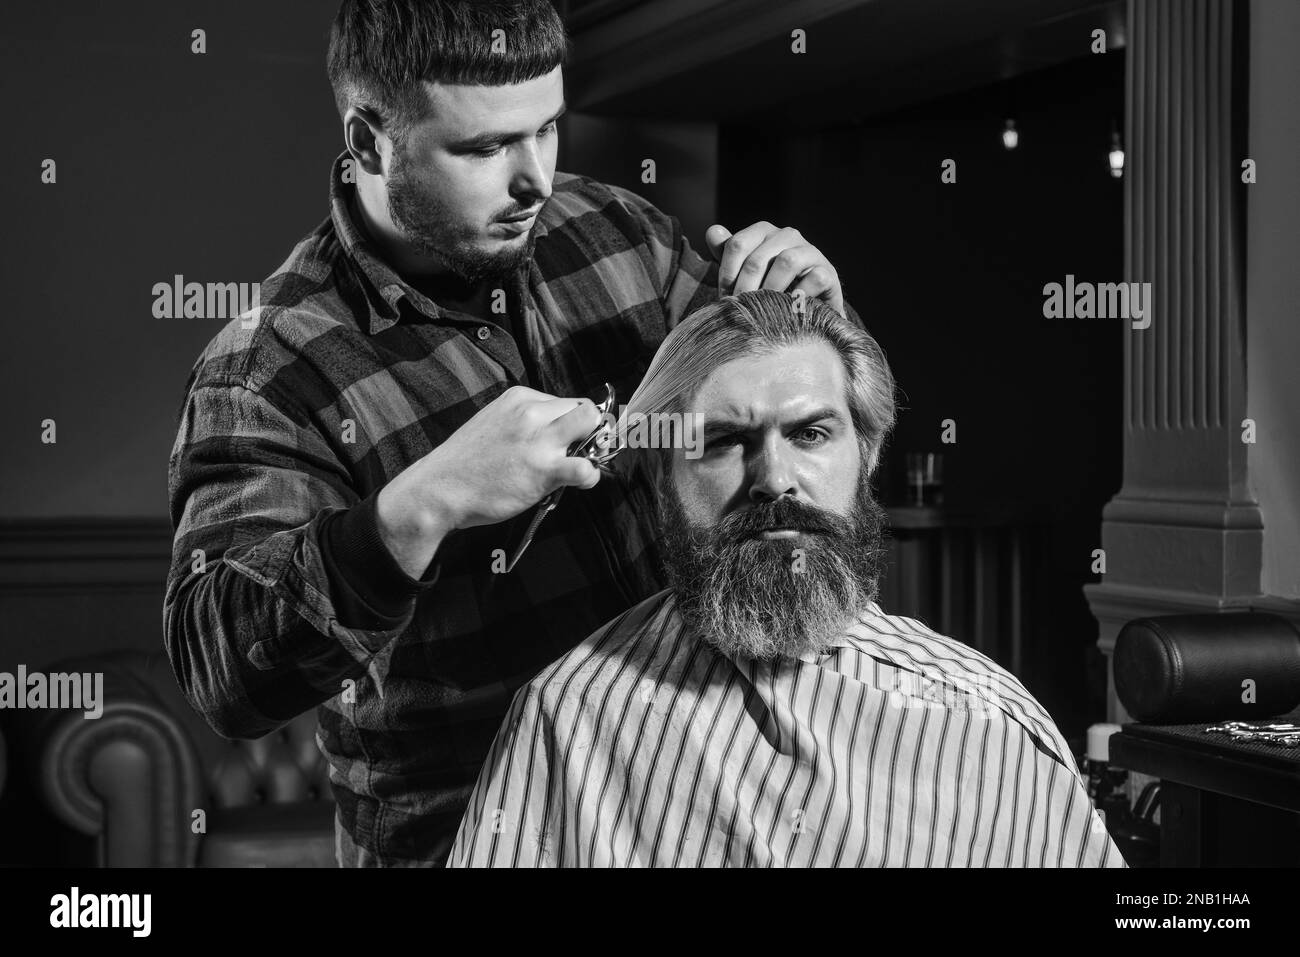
[{"x": 347, "y": 461}]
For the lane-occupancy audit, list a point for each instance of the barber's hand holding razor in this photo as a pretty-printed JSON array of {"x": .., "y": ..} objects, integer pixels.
[
  {"x": 763, "y": 256},
  {"x": 508, "y": 457}
]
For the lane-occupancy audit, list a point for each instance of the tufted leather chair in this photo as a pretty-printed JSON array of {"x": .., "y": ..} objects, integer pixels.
[{"x": 136, "y": 776}]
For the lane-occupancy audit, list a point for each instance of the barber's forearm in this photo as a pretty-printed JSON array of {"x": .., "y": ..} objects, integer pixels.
[{"x": 411, "y": 530}]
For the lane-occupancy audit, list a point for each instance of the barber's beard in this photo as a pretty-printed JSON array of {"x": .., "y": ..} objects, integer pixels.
[
  {"x": 429, "y": 226},
  {"x": 754, "y": 598}
]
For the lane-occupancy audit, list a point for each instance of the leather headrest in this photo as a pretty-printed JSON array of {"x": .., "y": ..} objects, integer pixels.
[{"x": 1176, "y": 669}]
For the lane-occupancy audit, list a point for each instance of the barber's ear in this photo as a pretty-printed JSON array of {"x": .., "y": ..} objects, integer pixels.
[{"x": 362, "y": 131}]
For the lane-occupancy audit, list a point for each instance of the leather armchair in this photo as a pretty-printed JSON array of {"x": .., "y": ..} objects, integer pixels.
[{"x": 136, "y": 776}]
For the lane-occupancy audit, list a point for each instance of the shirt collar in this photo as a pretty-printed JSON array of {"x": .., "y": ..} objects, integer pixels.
[{"x": 386, "y": 287}]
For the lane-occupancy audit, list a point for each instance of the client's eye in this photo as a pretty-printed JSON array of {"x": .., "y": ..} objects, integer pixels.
[
  {"x": 810, "y": 436},
  {"x": 724, "y": 442}
]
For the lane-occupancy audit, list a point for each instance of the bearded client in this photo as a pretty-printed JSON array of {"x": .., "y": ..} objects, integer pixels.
[{"x": 764, "y": 709}]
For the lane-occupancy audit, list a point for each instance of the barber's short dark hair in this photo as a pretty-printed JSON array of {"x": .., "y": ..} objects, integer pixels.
[{"x": 381, "y": 50}]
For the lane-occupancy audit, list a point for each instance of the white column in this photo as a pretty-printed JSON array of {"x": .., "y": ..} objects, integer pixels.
[{"x": 1184, "y": 533}]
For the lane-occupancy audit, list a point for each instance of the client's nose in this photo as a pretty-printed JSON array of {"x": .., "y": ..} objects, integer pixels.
[{"x": 772, "y": 476}]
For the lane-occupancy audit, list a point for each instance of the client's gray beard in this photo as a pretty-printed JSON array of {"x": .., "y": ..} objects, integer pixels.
[
  {"x": 425, "y": 222},
  {"x": 750, "y": 597}
]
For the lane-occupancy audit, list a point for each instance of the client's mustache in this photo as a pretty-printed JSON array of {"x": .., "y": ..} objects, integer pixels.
[{"x": 782, "y": 513}]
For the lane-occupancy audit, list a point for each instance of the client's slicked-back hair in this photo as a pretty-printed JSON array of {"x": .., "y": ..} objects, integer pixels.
[
  {"x": 754, "y": 323},
  {"x": 380, "y": 51}
]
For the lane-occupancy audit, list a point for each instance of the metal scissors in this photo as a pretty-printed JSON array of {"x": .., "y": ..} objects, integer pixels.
[
  {"x": 599, "y": 447},
  {"x": 1285, "y": 734}
]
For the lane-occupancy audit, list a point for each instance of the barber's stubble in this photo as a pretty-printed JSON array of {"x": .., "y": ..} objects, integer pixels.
[
  {"x": 431, "y": 228},
  {"x": 754, "y": 598}
]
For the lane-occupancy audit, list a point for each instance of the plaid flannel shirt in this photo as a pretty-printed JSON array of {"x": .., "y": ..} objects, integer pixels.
[{"x": 347, "y": 376}]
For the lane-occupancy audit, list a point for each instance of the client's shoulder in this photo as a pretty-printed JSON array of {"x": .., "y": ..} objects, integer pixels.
[
  {"x": 917, "y": 644},
  {"x": 643, "y": 641},
  {"x": 951, "y": 671}
]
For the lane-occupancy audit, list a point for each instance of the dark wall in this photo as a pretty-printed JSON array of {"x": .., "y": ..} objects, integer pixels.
[
  {"x": 949, "y": 279},
  {"x": 209, "y": 165}
]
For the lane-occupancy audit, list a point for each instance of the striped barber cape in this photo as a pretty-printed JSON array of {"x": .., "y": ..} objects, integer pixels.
[{"x": 643, "y": 746}]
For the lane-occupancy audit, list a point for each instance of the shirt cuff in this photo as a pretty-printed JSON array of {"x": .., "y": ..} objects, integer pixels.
[{"x": 370, "y": 590}]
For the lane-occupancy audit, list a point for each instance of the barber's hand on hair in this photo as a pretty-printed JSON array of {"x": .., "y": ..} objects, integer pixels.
[
  {"x": 507, "y": 458},
  {"x": 763, "y": 256}
]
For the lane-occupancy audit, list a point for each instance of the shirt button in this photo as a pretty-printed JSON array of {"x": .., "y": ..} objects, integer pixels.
[{"x": 484, "y": 332}]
